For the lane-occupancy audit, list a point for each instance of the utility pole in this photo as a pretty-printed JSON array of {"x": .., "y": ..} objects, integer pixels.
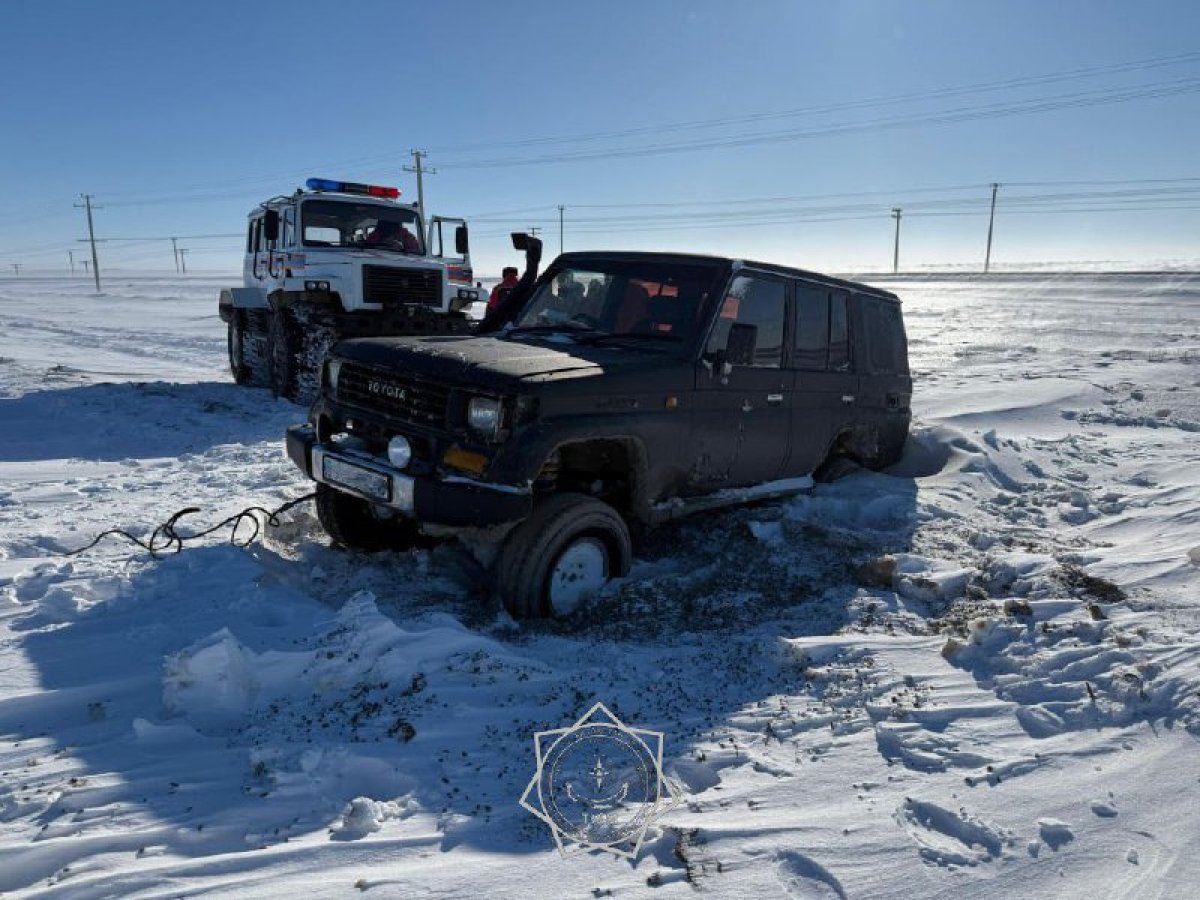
[
  {"x": 87, "y": 204},
  {"x": 17, "y": 269},
  {"x": 533, "y": 230},
  {"x": 175, "y": 253},
  {"x": 85, "y": 264},
  {"x": 182, "y": 259},
  {"x": 419, "y": 167},
  {"x": 71, "y": 258},
  {"x": 896, "y": 210},
  {"x": 987, "y": 260},
  {"x": 560, "y": 228}
]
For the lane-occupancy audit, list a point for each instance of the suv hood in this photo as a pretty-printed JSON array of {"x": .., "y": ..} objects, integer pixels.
[{"x": 483, "y": 359}]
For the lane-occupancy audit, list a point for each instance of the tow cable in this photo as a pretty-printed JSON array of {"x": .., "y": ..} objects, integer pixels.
[{"x": 165, "y": 537}]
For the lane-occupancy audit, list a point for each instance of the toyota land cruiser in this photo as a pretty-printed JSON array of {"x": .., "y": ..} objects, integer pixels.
[{"x": 617, "y": 389}]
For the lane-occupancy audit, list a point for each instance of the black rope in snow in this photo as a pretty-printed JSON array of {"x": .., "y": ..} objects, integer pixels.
[{"x": 165, "y": 537}]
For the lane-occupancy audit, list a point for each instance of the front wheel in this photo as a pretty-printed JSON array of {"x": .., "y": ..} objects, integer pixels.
[
  {"x": 298, "y": 342},
  {"x": 284, "y": 343},
  {"x": 568, "y": 549},
  {"x": 362, "y": 525}
]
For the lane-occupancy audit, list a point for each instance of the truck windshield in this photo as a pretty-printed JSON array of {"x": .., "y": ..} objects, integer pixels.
[
  {"x": 338, "y": 223},
  {"x": 634, "y": 300}
]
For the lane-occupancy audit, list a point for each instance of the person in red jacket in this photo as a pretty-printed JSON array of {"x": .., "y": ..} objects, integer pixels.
[{"x": 508, "y": 281}]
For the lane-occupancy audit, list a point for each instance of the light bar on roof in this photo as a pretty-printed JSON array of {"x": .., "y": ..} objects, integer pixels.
[{"x": 351, "y": 187}]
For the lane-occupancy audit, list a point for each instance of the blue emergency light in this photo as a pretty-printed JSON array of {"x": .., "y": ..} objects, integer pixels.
[{"x": 350, "y": 187}]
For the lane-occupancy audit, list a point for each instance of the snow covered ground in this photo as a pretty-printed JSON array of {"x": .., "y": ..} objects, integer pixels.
[{"x": 977, "y": 675}]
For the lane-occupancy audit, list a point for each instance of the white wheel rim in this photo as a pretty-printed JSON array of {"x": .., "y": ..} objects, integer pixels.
[{"x": 581, "y": 570}]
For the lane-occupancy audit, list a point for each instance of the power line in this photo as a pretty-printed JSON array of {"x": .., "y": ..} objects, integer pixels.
[
  {"x": 938, "y": 93},
  {"x": 510, "y": 215},
  {"x": 776, "y": 211},
  {"x": 962, "y": 114},
  {"x": 221, "y": 190},
  {"x": 803, "y": 220}
]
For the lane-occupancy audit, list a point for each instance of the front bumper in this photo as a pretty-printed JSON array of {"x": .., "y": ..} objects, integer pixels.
[{"x": 459, "y": 502}]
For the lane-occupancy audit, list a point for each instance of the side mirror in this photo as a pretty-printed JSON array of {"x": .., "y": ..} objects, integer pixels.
[
  {"x": 461, "y": 244},
  {"x": 743, "y": 339},
  {"x": 520, "y": 240},
  {"x": 271, "y": 226}
]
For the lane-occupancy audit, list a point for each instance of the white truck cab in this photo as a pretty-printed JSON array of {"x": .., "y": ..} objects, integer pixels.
[{"x": 339, "y": 259}]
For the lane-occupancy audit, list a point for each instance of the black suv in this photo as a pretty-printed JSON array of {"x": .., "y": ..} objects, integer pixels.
[{"x": 616, "y": 390}]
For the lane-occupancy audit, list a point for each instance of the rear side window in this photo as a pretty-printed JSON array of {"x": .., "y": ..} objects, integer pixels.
[
  {"x": 750, "y": 326},
  {"x": 812, "y": 327},
  {"x": 885, "y": 341}
]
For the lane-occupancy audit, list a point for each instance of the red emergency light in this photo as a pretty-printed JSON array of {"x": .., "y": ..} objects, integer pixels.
[{"x": 351, "y": 187}]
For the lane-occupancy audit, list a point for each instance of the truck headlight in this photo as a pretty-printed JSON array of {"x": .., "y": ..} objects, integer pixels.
[
  {"x": 399, "y": 451},
  {"x": 332, "y": 368},
  {"x": 322, "y": 286},
  {"x": 483, "y": 414}
]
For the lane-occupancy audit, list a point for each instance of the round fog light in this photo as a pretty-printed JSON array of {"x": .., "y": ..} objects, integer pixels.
[{"x": 399, "y": 451}]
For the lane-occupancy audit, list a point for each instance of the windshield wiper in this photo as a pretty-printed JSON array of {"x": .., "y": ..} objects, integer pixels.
[
  {"x": 561, "y": 328},
  {"x": 634, "y": 336}
]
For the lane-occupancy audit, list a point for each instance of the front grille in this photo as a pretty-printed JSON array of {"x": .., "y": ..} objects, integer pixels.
[
  {"x": 394, "y": 394},
  {"x": 391, "y": 287}
]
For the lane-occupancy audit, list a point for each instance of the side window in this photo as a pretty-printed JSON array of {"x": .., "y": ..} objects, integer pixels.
[
  {"x": 812, "y": 326},
  {"x": 749, "y": 328},
  {"x": 839, "y": 333},
  {"x": 882, "y": 322},
  {"x": 250, "y": 237},
  {"x": 258, "y": 241}
]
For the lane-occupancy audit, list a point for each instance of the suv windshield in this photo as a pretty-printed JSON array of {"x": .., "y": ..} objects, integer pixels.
[
  {"x": 633, "y": 300},
  {"x": 338, "y": 223}
]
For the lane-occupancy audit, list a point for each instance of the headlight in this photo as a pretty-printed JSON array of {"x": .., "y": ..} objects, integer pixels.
[
  {"x": 399, "y": 451},
  {"x": 483, "y": 414},
  {"x": 316, "y": 285},
  {"x": 332, "y": 368}
]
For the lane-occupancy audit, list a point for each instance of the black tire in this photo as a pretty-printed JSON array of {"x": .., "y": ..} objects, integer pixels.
[
  {"x": 245, "y": 358},
  {"x": 533, "y": 549},
  {"x": 283, "y": 341},
  {"x": 835, "y": 468},
  {"x": 235, "y": 340},
  {"x": 356, "y": 524},
  {"x": 298, "y": 342}
]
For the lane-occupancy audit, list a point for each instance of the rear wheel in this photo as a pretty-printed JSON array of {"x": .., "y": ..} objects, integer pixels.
[
  {"x": 245, "y": 357},
  {"x": 568, "y": 549},
  {"x": 362, "y": 525}
]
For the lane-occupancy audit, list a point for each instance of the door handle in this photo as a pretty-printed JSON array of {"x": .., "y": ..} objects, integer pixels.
[
  {"x": 774, "y": 399},
  {"x": 847, "y": 398}
]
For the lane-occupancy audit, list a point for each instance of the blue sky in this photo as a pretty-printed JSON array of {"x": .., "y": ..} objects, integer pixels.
[{"x": 179, "y": 117}]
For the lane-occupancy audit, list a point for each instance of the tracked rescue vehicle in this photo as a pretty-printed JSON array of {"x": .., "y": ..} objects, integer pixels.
[{"x": 334, "y": 260}]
